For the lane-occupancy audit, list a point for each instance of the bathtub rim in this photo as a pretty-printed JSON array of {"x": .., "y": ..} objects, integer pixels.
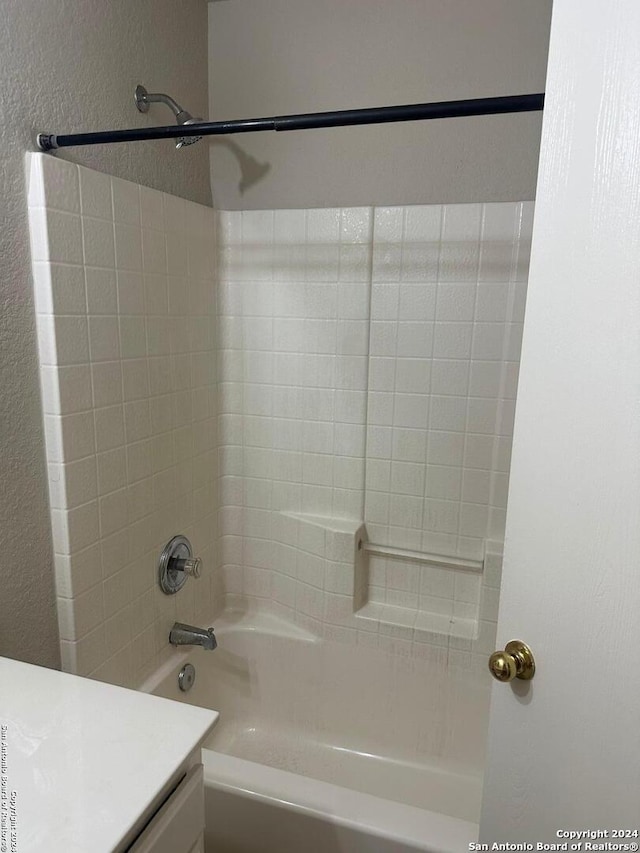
[{"x": 375, "y": 816}]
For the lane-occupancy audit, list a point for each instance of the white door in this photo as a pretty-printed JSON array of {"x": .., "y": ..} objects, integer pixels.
[{"x": 564, "y": 751}]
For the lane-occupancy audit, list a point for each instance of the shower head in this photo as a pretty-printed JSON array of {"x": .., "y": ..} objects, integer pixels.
[
  {"x": 144, "y": 98},
  {"x": 188, "y": 140}
]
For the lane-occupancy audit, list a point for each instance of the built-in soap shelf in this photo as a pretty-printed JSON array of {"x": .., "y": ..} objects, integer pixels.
[
  {"x": 422, "y": 623},
  {"x": 425, "y": 593},
  {"x": 343, "y": 579}
]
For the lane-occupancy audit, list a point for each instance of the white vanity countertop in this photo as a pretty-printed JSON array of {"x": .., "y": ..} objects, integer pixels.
[{"x": 85, "y": 759}]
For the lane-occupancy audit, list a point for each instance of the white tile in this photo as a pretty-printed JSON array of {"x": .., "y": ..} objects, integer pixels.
[
  {"x": 406, "y": 511},
  {"x": 59, "y": 289},
  {"x": 452, "y": 340},
  {"x": 384, "y": 301},
  {"x": 323, "y": 225},
  {"x": 98, "y": 242},
  {"x": 71, "y": 340},
  {"x": 356, "y": 225},
  {"x": 473, "y": 519},
  {"x": 112, "y": 472},
  {"x": 411, "y": 410},
  {"x": 135, "y": 379},
  {"x": 289, "y": 227},
  {"x": 154, "y": 259},
  {"x": 413, "y": 375},
  {"x": 60, "y": 184},
  {"x": 66, "y": 389},
  {"x": 75, "y": 529},
  {"x": 46, "y": 340},
  {"x": 353, "y": 301},
  {"x": 79, "y": 572},
  {"x": 482, "y": 416},
  {"x": 491, "y": 302},
  {"x": 485, "y": 378},
  {"x": 102, "y": 295},
  {"x": 506, "y": 415},
  {"x": 415, "y": 340},
  {"x": 80, "y": 482},
  {"x": 109, "y": 427},
  {"x": 446, "y": 448},
  {"x": 409, "y": 445},
  {"x": 456, "y": 302},
  {"x": 450, "y": 377},
  {"x": 448, "y": 413},
  {"x": 257, "y": 226},
  {"x": 130, "y": 292},
  {"x": 128, "y": 248},
  {"x": 133, "y": 336},
  {"x": 126, "y": 202},
  {"x": 355, "y": 262},
  {"x": 38, "y": 236},
  {"x": 488, "y": 341},
  {"x": 139, "y": 461},
  {"x": 423, "y": 223},
  {"x": 136, "y": 418},
  {"x": 158, "y": 335},
  {"x": 113, "y": 512},
  {"x": 104, "y": 339},
  {"x": 77, "y": 436},
  {"x": 388, "y": 224},
  {"x": 479, "y": 451},
  {"x": 95, "y": 194},
  {"x": 151, "y": 210},
  {"x": 107, "y": 383},
  {"x": 64, "y": 238},
  {"x": 174, "y": 213},
  {"x": 352, "y": 337},
  {"x": 443, "y": 482},
  {"x": 417, "y": 301},
  {"x": 407, "y": 478},
  {"x": 35, "y": 182}
]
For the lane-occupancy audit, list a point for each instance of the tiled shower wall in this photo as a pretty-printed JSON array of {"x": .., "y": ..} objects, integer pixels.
[
  {"x": 447, "y": 307},
  {"x": 293, "y": 318},
  {"x": 368, "y": 367},
  {"x": 125, "y": 314},
  {"x": 312, "y": 380}
]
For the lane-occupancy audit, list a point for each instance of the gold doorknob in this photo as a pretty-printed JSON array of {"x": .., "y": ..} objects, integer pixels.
[{"x": 516, "y": 661}]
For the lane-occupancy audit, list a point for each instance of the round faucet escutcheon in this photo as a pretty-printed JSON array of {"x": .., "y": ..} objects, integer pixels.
[{"x": 176, "y": 564}]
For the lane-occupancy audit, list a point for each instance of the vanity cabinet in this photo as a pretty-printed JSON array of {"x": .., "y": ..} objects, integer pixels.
[
  {"x": 178, "y": 825},
  {"x": 93, "y": 767}
]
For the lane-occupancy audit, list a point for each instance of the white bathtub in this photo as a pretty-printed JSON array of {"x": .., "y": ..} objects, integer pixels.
[{"x": 323, "y": 746}]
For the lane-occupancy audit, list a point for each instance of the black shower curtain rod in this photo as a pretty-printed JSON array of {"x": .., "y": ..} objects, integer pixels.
[{"x": 304, "y": 121}]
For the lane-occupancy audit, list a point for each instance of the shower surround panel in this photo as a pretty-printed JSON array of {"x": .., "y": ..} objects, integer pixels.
[
  {"x": 125, "y": 299},
  {"x": 368, "y": 367},
  {"x": 280, "y": 386}
]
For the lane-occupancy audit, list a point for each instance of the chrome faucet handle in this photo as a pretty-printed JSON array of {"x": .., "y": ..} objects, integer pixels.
[
  {"x": 191, "y": 566},
  {"x": 177, "y": 564}
]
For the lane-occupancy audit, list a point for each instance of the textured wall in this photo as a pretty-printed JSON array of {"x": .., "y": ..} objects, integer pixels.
[
  {"x": 289, "y": 56},
  {"x": 71, "y": 66}
]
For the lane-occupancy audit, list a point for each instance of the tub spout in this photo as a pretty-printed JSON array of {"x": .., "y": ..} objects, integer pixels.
[{"x": 188, "y": 635}]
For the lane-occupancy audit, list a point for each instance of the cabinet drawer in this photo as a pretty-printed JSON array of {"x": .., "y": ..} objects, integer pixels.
[{"x": 178, "y": 823}]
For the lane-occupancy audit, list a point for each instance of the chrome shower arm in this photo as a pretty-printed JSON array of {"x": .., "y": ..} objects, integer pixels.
[
  {"x": 144, "y": 98},
  {"x": 183, "y": 117}
]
